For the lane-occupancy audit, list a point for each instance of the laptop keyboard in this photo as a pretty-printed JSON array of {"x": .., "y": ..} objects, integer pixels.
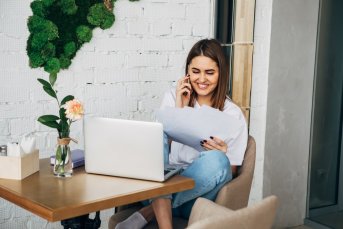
[{"x": 169, "y": 169}]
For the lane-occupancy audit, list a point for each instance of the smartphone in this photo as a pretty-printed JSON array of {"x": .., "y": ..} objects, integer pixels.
[{"x": 187, "y": 81}]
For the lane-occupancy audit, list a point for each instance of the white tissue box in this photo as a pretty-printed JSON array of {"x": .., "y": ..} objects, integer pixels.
[{"x": 18, "y": 168}]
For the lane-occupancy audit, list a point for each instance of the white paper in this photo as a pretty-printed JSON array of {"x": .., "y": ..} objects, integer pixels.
[
  {"x": 189, "y": 126},
  {"x": 28, "y": 144},
  {"x": 14, "y": 150}
]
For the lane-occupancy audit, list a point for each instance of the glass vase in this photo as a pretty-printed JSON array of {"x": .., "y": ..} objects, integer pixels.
[{"x": 63, "y": 163}]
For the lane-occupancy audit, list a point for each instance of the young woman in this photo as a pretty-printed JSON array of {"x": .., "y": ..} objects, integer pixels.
[{"x": 205, "y": 83}]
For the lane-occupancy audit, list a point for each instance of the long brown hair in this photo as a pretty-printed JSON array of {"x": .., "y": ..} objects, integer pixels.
[{"x": 211, "y": 48}]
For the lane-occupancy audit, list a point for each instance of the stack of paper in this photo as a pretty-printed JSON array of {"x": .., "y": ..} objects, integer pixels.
[{"x": 189, "y": 125}]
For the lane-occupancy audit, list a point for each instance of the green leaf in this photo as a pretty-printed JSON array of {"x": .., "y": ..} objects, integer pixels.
[
  {"x": 52, "y": 124},
  {"x": 64, "y": 154},
  {"x": 50, "y": 91},
  {"x": 48, "y": 118},
  {"x": 66, "y": 99},
  {"x": 63, "y": 114},
  {"x": 44, "y": 83},
  {"x": 59, "y": 154},
  {"x": 64, "y": 128},
  {"x": 52, "y": 78}
]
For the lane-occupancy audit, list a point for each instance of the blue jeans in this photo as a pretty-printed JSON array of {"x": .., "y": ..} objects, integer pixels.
[{"x": 210, "y": 171}]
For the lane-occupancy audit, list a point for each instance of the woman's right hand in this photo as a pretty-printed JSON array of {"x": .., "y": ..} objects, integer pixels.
[{"x": 183, "y": 92}]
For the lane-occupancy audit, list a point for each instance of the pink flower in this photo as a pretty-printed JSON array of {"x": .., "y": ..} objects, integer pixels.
[{"x": 74, "y": 109}]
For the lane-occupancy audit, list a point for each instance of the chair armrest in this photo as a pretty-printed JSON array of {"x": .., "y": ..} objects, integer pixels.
[
  {"x": 235, "y": 194},
  {"x": 204, "y": 208}
]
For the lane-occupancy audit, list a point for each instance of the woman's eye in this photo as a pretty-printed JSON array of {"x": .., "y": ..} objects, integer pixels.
[
  {"x": 196, "y": 72},
  {"x": 210, "y": 73}
]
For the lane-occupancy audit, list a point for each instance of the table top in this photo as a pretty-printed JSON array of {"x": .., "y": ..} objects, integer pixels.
[{"x": 57, "y": 199}]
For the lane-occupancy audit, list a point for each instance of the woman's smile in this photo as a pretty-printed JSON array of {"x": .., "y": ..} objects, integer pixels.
[{"x": 202, "y": 86}]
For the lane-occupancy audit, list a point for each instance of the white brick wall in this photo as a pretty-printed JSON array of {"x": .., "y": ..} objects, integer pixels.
[{"x": 123, "y": 72}]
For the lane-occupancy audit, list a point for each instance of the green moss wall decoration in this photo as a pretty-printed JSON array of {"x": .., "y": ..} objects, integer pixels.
[{"x": 58, "y": 29}]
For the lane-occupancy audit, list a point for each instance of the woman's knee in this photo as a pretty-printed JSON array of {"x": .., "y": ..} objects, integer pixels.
[
  {"x": 213, "y": 165},
  {"x": 217, "y": 159},
  {"x": 219, "y": 164},
  {"x": 209, "y": 171}
]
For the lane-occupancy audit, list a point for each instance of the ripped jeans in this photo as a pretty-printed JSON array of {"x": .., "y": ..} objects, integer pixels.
[{"x": 210, "y": 171}]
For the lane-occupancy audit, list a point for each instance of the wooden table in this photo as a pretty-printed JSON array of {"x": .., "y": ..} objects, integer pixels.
[{"x": 58, "y": 199}]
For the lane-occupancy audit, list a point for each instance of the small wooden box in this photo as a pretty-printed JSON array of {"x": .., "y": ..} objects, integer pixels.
[{"x": 18, "y": 168}]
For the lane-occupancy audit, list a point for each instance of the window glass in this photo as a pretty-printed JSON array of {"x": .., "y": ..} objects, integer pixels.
[{"x": 224, "y": 31}]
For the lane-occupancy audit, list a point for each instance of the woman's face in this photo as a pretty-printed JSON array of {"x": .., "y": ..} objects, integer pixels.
[{"x": 204, "y": 74}]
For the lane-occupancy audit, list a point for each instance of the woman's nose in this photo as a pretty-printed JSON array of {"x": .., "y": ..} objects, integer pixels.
[{"x": 202, "y": 77}]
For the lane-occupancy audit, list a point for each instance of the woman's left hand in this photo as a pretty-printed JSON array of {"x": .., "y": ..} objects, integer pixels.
[{"x": 214, "y": 143}]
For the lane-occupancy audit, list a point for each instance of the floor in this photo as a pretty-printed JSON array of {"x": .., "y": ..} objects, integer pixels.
[
  {"x": 333, "y": 220},
  {"x": 301, "y": 227}
]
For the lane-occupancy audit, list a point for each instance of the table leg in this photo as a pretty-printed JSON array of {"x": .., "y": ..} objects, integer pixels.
[{"x": 82, "y": 222}]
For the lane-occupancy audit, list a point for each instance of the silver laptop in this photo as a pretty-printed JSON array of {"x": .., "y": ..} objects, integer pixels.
[{"x": 126, "y": 148}]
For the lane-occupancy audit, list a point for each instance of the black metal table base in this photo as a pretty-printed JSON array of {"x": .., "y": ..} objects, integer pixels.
[{"x": 82, "y": 222}]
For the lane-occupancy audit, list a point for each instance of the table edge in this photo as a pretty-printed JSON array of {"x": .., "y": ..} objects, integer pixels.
[{"x": 97, "y": 205}]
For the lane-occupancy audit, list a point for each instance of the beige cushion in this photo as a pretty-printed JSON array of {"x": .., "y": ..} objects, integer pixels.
[{"x": 207, "y": 214}]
